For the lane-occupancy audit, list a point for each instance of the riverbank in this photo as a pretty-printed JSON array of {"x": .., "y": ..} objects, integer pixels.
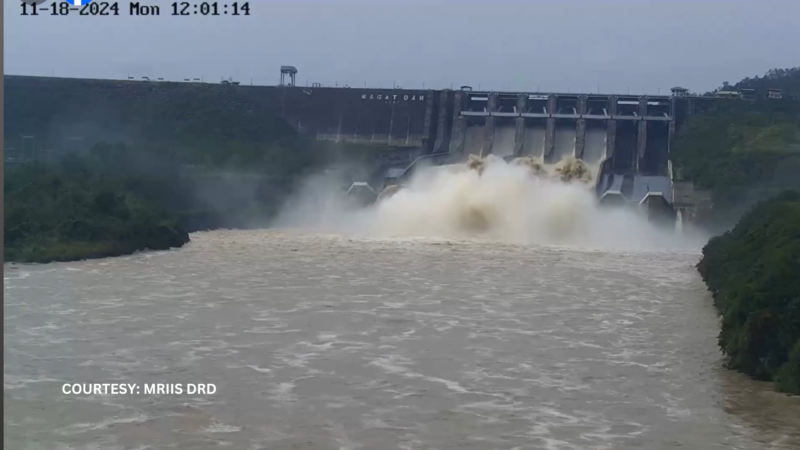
[
  {"x": 752, "y": 272},
  {"x": 56, "y": 215}
]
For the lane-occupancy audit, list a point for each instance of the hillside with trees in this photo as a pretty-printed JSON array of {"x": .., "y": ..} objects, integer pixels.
[
  {"x": 192, "y": 156},
  {"x": 67, "y": 212},
  {"x": 742, "y": 151},
  {"x": 752, "y": 272},
  {"x": 787, "y": 80},
  {"x": 747, "y": 154},
  {"x": 143, "y": 187}
]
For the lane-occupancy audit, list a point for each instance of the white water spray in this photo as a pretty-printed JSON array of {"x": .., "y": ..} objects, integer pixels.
[{"x": 485, "y": 199}]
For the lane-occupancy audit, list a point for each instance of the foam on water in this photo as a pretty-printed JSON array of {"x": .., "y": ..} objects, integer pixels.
[
  {"x": 342, "y": 341},
  {"x": 526, "y": 203}
]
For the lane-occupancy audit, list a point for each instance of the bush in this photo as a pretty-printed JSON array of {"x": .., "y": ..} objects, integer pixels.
[
  {"x": 67, "y": 213},
  {"x": 754, "y": 273}
]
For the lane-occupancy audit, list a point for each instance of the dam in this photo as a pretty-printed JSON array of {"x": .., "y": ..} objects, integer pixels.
[
  {"x": 632, "y": 132},
  {"x": 626, "y": 139}
]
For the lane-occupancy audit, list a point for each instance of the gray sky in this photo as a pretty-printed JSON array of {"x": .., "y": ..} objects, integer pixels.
[{"x": 580, "y": 45}]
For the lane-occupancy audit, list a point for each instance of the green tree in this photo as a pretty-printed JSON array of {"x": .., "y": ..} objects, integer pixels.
[
  {"x": 66, "y": 212},
  {"x": 752, "y": 271}
]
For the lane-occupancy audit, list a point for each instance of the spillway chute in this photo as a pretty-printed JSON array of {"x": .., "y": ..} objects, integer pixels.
[
  {"x": 388, "y": 192},
  {"x": 504, "y": 140},
  {"x": 362, "y": 193}
]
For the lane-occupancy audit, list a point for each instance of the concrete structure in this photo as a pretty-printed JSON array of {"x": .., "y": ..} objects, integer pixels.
[
  {"x": 362, "y": 193},
  {"x": 678, "y": 91},
  {"x": 387, "y": 117},
  {"x": 748, "y": 94},
  {"x": 291, "y": 71},
  {"x": 729, "y": 94},
  {"x": 628, "y": 137},
  {"x": 633, "y": 132},
  {"x": 658, "y": 209},
  {"x": 689, "y": 202}
]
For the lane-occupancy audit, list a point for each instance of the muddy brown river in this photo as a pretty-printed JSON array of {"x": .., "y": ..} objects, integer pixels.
[{"x": 322, "y": 342}]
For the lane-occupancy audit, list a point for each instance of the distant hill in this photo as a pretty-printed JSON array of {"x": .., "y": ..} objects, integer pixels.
[
  {"x": 743, "y": 152},
  {"x": 787, "y": 80},
  {"x": 752, "y": 272}
]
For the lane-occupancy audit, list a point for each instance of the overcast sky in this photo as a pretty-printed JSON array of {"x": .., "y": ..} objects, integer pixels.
[{"x": 558, "y": 45}]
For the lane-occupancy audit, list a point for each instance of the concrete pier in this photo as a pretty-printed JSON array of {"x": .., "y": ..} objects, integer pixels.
[
  {"x": 519, "y": 124},
  {"x": 550, "y": 136},
  {"x": 580, "y": 138}
]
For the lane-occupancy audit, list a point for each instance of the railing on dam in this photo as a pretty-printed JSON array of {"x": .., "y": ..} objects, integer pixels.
[{"x": 566, "y": 106}]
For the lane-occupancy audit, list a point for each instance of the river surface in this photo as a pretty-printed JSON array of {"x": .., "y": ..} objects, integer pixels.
[{"x": 322, "y": 342}]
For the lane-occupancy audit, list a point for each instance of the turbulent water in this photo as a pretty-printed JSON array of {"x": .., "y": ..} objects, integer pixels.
[
  {"x": 478, "y": 308},
  {"x": 319, "y": 341},
  {"x": 524, "y": 202}
]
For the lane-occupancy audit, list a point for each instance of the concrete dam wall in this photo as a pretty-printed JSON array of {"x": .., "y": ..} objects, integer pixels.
[
  {"x": 387, "y": 117},
  {"x": 65, "y": 114},
  {"x": 624, "y": 134},
  {"x": 625, "y": 140},
  {"x": 631, "y": 133}
]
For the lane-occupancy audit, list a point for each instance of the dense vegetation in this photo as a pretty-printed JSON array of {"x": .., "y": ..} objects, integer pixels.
[
  {"x": 787, "y": 80},
  {"x": 206, "y": 156},
  {"x": 63, "y": 213},
  {"x": 754, "y": 273},
  {"x": 137, "y": 189},
  {"x": 747, "y": 154},
  {"x": 741, "y": 151}
]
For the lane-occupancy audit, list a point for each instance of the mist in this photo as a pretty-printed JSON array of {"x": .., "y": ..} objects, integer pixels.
[{"x": 502, "y": 202}]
